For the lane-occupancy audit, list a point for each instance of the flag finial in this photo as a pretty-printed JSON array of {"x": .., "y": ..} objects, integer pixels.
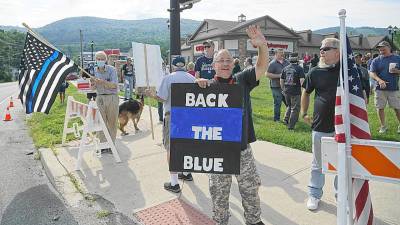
[{"x": 342, "y": 12}]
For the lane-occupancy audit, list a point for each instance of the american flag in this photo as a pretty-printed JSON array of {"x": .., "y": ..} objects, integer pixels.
[
  {"x": 359, "y": 128},
  {"x": 43, "y": 69}
]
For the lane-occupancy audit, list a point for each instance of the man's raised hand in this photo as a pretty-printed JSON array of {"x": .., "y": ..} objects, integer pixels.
[{"x": 257, "y": 38}]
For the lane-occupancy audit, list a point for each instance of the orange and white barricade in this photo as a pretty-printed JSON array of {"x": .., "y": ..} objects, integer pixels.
[
  {"x": 92, "y": 122},
  {"x": 371, "y": 159}
]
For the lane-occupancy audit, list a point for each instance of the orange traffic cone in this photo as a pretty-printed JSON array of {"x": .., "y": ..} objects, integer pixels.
[
  {"x": 11, "y": 103},
  {"x": 8, "y": 115}
]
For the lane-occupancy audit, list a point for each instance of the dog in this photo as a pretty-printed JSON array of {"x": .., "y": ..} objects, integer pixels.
[{"x": 130, "y": 110}]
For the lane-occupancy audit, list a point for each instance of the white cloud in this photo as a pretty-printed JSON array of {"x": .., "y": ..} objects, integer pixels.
[{"x": 299, "y": 15}]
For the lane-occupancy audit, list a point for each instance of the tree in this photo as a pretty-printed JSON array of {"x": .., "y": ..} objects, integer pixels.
[{"x": 11, "y": 46}]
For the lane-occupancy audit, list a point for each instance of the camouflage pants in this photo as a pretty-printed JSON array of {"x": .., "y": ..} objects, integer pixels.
[{"x": 249, "y": 182}]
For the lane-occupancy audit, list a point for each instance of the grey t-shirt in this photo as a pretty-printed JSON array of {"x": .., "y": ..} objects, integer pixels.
[
  {"x": 164, "y": 90},
  {"x": 276, "y": 67},
  {"x": 110, "y": 74}
]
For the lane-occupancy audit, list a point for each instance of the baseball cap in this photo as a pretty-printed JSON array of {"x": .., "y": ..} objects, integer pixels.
[
  {"x": 178, "y": 61},
  {"x": 294, "y": 57},
  {"x": 208, "y": 42},
  {"x": 383, "y": 44}
]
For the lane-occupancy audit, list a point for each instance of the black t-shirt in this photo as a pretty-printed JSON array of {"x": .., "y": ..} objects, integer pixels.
[
  {"x": 128, "y": 70},
  {"x": 236, "y": 69},
  {"x": 324, "y": 81},
  {"x": 247, "y": 80},
  {"x": 291, "y": 75}
]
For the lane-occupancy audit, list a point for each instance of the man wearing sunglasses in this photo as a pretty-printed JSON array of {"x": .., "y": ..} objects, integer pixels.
[
  {"x": 204, "y": 68},
  {"x": 323, "y": 79}
]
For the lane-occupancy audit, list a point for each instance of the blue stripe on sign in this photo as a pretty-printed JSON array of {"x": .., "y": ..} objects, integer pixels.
[
  {"x": 39, "y": 77},
  {"x": 229, "y": 119}
]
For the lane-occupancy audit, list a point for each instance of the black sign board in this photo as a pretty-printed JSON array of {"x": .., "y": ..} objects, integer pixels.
[{"x": 206, "y": 128}]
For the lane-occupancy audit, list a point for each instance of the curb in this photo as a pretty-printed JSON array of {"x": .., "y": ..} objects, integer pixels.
[{"x": 59, "y": 178}]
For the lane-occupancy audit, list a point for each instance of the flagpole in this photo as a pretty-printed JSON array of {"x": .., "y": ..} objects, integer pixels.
[
  {"x": 342, "y": 181},
  {"x": 38, "y": 36},
  {"x": 107, "y": 84},
  {"x": 345, "y": 202}
]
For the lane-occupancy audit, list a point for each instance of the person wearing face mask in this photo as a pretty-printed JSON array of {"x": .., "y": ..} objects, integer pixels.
[{"x": 105, "y": 82}]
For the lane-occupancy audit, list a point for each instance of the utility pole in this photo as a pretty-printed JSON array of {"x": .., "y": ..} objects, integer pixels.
[
  {"x": 81, "y": 37},
  {"x": 91, "y": 46},
  {"x": 175, "y": 28},
  {"x": 174, "y": 24}
]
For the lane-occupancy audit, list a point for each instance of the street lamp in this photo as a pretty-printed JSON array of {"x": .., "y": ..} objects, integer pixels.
[
  {"x": 392, "y": 31},
  {"x": 174, "y": 20}
]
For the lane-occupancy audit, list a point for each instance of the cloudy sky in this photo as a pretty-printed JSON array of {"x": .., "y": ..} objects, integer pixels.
[{"x": 299, "y": 15}]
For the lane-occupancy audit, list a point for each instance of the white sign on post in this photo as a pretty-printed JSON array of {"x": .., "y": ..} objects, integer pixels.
[{"x": 154, "y": 64}]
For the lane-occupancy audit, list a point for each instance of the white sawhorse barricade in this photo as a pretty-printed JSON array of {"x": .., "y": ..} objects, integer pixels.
[
  {"x": 371, "y": 159},
  {"x": 92, "y": 122}
]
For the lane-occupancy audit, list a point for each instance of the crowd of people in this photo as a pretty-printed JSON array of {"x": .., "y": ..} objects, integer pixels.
[{"x": 291, "y": 84}]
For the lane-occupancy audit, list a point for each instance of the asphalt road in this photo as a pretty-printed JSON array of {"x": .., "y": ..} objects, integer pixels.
[{"x": 26, "y": 195}]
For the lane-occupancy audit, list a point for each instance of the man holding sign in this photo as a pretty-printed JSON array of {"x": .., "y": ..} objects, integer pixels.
[
  {"x": 248, "y": 179},
  {"x": 164, "y": 95}
]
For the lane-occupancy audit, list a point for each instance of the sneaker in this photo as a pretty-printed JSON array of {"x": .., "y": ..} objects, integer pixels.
[
  {"x": 312, "y": 203},
  {"x": 106, "y": 150},
  {"x": 383, "y": 130},
  {"x": 186, "y": 178},
  {"x": 259, "y": 223},
  {"x": 176, "y": 188}
]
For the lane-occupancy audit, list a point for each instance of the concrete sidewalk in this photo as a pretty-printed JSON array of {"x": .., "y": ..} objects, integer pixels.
[{"x": 137, "y": 182}]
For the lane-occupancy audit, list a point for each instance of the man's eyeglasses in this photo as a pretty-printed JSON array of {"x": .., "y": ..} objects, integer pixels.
[
  {"x": 207, "y": 46},
  {"x": 325, "y": 49},
  {"x": 227, "y": 61}
]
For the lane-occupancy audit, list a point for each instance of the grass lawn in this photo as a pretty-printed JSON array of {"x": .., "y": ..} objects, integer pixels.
[
  {"x": 268, "y": 130},
  {"x": 46, "y": 130}
]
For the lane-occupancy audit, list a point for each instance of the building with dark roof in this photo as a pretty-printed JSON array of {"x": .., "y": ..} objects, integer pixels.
[
  {"x": 310, "y": 42},
  {"x": 232, "y": 35}
]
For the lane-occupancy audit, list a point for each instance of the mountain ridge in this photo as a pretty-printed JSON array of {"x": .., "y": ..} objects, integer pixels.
[{"x": 115, "y": 33}]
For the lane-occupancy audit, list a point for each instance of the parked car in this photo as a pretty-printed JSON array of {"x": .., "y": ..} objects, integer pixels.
[{"x": 72, "y": 76}]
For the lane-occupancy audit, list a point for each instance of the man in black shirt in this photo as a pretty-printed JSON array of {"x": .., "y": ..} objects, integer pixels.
[
  {"x": 323, "y": 79},
  {"x": 291, "y": 79},
  {"x": 248, "y": 179},
  {"x": 128, "y": 74},
  {"x": 274, "y": 72}
]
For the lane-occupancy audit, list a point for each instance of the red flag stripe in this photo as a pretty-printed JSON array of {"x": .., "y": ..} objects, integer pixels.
[
  {"x": 338, "y": 119},
  {"x": 358, "y": 133},
  {"x": 360, "y": 113},
  {"x": 338, "y": 100},
  {"x": 361, "y": 199},
  {"x": 371, "y": 216},
  {"x": 340, "y": 138}
]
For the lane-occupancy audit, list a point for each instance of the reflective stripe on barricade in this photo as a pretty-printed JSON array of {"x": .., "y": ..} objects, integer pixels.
[{"x": 371, "y": 159}]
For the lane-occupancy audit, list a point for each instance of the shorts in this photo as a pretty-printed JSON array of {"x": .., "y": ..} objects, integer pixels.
[
  {"x": 166, "y": 128},
  {"x": 392, "y": 97}
]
